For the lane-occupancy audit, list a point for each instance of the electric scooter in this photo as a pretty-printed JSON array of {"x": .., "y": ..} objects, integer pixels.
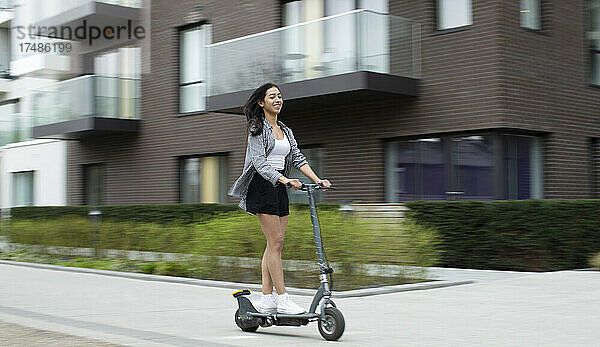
[{"x": 330, "y": 320}]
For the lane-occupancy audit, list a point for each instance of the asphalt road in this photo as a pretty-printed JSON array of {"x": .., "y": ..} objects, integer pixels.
[{"x": 547, "y": 309}]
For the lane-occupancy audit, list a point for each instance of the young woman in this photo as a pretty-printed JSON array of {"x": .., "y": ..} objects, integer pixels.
[{"x": 270, "y": 154}]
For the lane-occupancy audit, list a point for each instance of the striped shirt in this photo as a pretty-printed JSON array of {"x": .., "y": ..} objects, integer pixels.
[{"x": 257, "y": 150}]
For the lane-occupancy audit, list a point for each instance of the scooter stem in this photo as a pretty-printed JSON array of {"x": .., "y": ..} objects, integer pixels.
[{"x": 317, "y": 234}]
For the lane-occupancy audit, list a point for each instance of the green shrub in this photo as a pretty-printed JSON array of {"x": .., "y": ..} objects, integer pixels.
[
  {"x": 528, "y": 235},
  {"x": 346, "y": 238},
  {"x": 178, "y": 213}
]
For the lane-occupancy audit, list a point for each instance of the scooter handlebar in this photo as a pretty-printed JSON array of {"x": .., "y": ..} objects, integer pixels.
[{"x": 316, "y": 186}]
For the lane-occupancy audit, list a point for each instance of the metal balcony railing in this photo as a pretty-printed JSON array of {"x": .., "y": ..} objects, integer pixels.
[
  {"x": 358, "y": 40},
  {"x": 87, "y": 96}
]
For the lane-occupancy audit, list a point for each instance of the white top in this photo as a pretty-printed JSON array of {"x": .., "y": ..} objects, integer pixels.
[{"x": 277, "y": 156}]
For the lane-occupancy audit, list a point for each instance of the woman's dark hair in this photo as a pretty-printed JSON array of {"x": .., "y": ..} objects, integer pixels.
[{"x": 254, "y": 113}]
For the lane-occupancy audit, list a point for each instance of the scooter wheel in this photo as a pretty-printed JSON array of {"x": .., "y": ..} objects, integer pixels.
[
  {"x": 333, "y": 326},
  {"x": 241, "y": 325}
]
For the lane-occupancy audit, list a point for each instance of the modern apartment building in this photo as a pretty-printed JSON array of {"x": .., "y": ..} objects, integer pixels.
[
  {"x": 47, "y": 78},
  {"x": 391, "y": 100}
]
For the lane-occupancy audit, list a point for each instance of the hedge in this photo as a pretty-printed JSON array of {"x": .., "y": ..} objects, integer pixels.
[
  {"x": 346, "y": 239},
  {"x": 179, "y": 213},
  {"x": 528, "y": 235}
]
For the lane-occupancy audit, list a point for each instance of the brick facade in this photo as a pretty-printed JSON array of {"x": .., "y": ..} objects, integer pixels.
[{"x": 491, "y": 75}]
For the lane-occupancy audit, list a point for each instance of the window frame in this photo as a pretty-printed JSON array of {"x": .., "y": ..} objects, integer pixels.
[
  {"x": 199, "y": 25},
  {"x": 223, "y": 177},
  {"x": 499, "y": 177},
  {"x": 540, "y": 8},
  {"x": 437, "y": 21},
  {"x": 14, "y": 187}
]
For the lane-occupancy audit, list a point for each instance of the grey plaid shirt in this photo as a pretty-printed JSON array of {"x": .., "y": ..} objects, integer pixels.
[{"x": 257, "y": 150}]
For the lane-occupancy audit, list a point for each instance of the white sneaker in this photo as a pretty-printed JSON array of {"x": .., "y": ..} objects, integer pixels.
[
  {"x": 266, "y": 304},
  {"x": 286, "y": 305}
]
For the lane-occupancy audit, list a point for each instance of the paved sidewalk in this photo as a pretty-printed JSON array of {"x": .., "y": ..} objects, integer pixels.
[
  {"x": 18, "y": 335},
  {"x": 502, "y": 309}
]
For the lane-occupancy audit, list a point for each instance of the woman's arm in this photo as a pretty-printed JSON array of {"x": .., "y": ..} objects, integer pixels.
[{"x": 308, "y": 172}]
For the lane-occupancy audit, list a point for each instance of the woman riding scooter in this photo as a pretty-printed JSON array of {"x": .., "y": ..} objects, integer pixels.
[{"x": 270, "y": 154}]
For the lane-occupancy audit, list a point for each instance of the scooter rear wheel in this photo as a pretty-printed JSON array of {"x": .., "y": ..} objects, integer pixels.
[
  {"x": 241, "y": 325},
  {"x": 333, "y": 326}
]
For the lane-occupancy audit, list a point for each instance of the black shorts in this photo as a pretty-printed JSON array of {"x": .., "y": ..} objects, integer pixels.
[{"x": 265, "y": 198}]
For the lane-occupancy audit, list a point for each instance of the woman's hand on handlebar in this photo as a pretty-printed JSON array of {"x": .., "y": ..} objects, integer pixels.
[
  {"x": 324, "y": 183},
  {"x": 294, "y": 183}
]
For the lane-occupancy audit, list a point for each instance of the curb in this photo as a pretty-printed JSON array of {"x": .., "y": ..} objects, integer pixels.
[{"x": 235, "y": 285}]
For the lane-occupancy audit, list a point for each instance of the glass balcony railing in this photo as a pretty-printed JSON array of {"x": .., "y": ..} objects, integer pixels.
[
  {"x": 14, "y": 126},
  {"x": 87, "y": 96},
  {"x": 4, "y": 64},
  {"x": 358, "y": 40}
]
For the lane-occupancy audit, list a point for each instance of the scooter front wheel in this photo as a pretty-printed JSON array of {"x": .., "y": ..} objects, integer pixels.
[
  {"x": 333, "y": 326},
  {"x": 241, "y": 325}
]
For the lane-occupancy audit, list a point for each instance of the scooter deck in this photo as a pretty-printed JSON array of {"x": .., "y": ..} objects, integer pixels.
[{"x": 284, "y": 316}]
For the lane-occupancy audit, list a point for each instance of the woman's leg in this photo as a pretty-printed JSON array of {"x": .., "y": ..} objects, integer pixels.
[{"x": 273, "y": 276}]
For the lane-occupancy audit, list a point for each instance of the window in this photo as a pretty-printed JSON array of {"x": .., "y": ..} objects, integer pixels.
[
  {"x": 93, "y": 178},
  {"x": 530, "y": 14},
  {"x": 22, "y": 188},
  {"x": 522, "y": 167},
  {"x": 417, "y": 170},
  {"x": 473, "y": 174},
  {"x": 203, "y": 179},
  {"x": 453, "y": 13},
  {"x": 314, "y": 156},
  {"x": 594, "y": 36},
  {"x": 193, "y": 68},
  {"x": 470, "y": 167},
  {"x": 117, "y": 83}
]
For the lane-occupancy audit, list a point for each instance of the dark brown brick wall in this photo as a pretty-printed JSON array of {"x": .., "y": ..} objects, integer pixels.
[
  {"x": 546, "y": 87},
  {"x": 492, "y": 74}
]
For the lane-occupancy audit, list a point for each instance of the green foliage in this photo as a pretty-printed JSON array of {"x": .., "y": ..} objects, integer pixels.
[
  {"x": 527, "y": 235},
  {"x": 178, "y": 213},
  {"x": 346, "y": 239}
]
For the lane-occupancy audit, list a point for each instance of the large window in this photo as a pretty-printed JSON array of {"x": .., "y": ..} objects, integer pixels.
[
  {"x": 118, "y": 74},
  {"x": 594, "y": 36},
  {"x": 314, "y": 156},
  {"x": 193, "y": 70},
  {"x": 530, "y": 14},
  {"x": 203, "y": 179},
  {"x": 470, "y": 167},
  {"x": 93, "y": 181},
  {"x": 453, "y": 14},
  {"x": 23, "y": 187}
]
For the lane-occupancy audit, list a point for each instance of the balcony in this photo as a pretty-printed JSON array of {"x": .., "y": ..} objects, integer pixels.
[
  {"x": 7, "y": 12},
  {"x": 99, "y": 13},
  {"x": 53, "y": 66},
  {"x": 86, "y": 106},
  {"x": 357, "y": 54},
  {"x": 4, "y": 72},
  {"x": 14, "y": 126}
]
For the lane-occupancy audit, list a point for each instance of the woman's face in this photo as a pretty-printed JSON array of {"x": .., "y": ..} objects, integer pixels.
[{"x": 273, "y": 101}]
